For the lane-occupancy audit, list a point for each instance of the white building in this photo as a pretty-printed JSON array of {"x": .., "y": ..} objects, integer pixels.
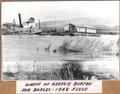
[
  {"x": 85, "y": 29},
  {"x": 91, "y": 30},
  {"x": 79, "y": 29}
]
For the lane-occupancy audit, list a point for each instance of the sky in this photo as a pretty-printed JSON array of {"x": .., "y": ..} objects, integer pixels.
[{"x": 59, "y": 10}]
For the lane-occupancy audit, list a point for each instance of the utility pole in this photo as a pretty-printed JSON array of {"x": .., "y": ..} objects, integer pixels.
[
  {"x": 39, "y": 24},
  {"x": 55, "y": 24},
  {"x": 34, "y": 70},
  {"x": 13, "y": 26},
  {"x": 85, "y": 30},
  {"x": 34, "y": 67}
]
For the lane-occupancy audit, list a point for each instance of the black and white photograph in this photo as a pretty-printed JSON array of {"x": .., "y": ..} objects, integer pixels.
[{"x": 60, "y": 40}]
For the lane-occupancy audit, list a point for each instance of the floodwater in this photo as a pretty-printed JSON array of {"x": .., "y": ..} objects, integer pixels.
[
  {"x": 32, "y": 47},
  {"x": 26, "y": 47},
  {"x": 25, "y": 50}
]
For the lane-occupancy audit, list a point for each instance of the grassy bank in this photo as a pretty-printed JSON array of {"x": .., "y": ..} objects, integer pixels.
[
  {"x": 67, "y": 70},
  {"x": 90, "y": 47}
]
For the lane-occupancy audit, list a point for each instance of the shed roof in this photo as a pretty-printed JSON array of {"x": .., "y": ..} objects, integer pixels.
[{"x": 82, "y": 26}]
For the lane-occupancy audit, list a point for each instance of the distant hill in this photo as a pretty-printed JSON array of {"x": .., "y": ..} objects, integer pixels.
[
  {"x": 86, "y": 21},
  {"x": 117, "y": 27},
  {"x": 53, "y": 23},
  {"x": 90, "y": 21}
]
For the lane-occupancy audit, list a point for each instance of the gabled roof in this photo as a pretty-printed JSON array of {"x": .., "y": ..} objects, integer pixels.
[
  {"x": 70, "y": 24},
  {"x": 81, "y": 26}
]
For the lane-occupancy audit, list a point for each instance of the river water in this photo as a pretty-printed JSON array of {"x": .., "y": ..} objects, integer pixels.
[{"x": 30, "y": 48}]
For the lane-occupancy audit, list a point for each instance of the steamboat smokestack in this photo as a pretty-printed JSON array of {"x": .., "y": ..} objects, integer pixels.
[{"x": 20, "y": 22}]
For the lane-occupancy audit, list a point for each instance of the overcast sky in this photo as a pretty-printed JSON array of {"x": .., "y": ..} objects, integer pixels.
[{"x": 61, "y": 10}]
